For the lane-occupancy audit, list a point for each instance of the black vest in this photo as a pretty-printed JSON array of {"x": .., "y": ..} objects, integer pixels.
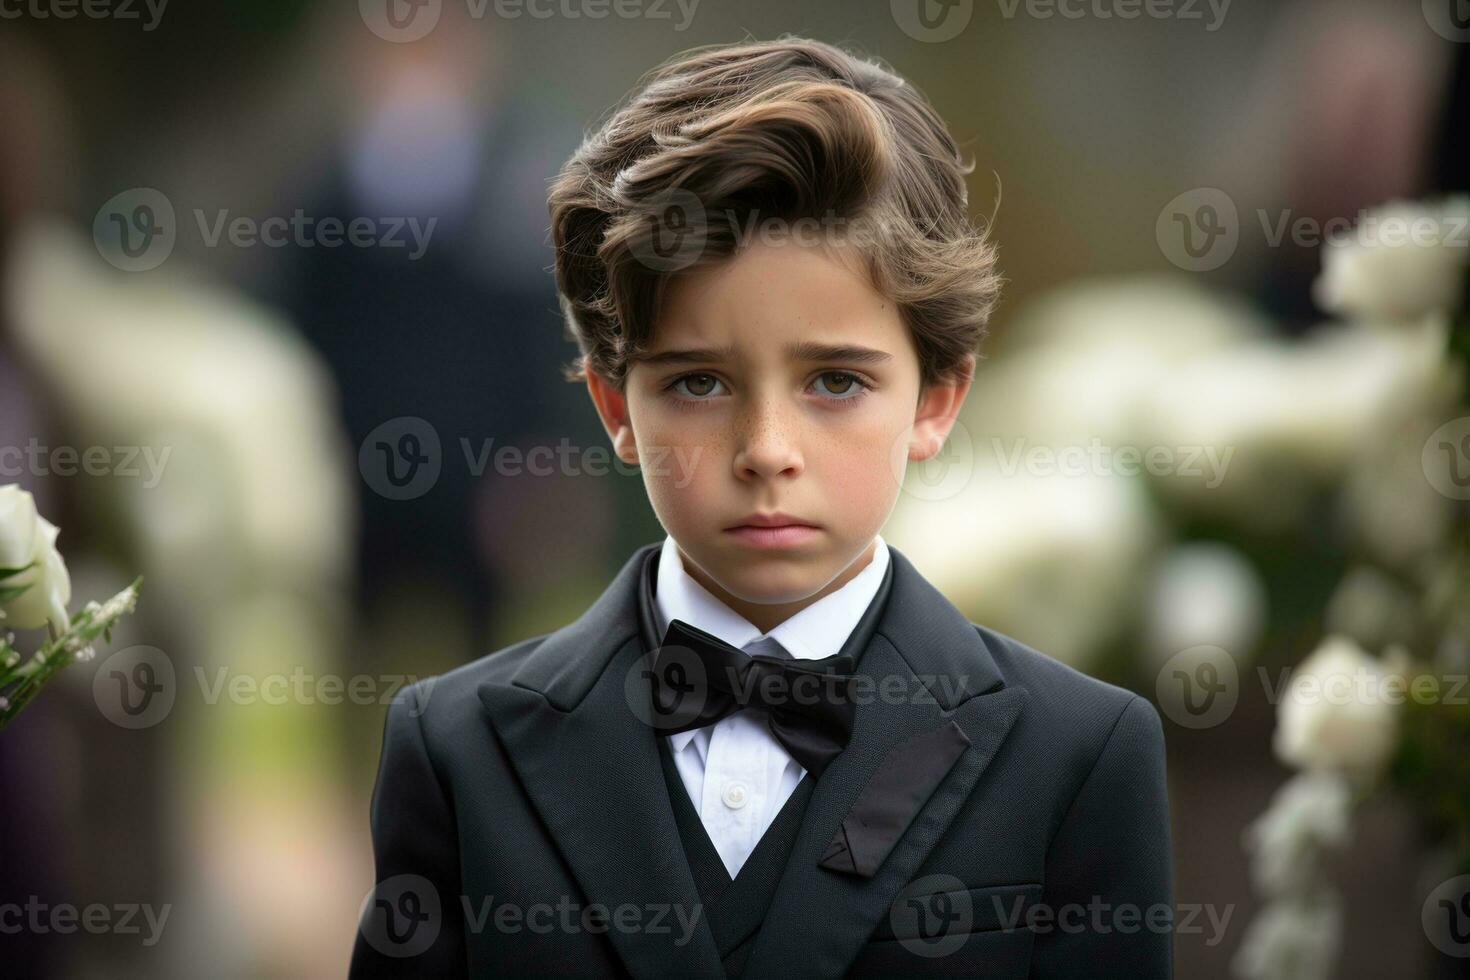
[{"x": 736, "y": 908}]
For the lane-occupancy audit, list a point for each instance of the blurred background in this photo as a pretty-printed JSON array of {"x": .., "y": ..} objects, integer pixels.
[{"x": 279, "y": 333}]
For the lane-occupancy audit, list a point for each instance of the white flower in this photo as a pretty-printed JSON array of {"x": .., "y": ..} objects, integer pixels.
[
  {"x": 1204, "y": 594},
  {"x": 17, "y": 526},
  {"x": 1308, "y": 815},
  {"x": 1402, "y": 261},
  {"x": 1338, "y": 712},
  {"x": 1081, "y": 361},
  {"x": 1051, "y": 560},
  {"x": 1290, "y": 416},
  {"x": 28, "y": 539},
  {"x": 1292, "y": 940}
]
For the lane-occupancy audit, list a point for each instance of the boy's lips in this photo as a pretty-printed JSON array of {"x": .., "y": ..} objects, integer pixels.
[
  {"x": 773, "y": 531},
  {"x": 771, "y": 519}
]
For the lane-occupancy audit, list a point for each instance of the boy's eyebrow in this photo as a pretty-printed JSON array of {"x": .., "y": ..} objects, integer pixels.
[{"x": 802, "y": 351}]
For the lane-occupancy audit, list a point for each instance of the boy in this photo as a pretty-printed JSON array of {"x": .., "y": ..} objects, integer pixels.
[{"x": 770, "y": 748}]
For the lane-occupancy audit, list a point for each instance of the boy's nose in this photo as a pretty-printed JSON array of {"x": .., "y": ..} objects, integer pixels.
[{"x": 767, "y": 446}]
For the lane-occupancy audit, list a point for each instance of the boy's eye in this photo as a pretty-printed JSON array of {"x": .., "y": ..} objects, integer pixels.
[
  {"x": 697, "y": 385},
  {"x": 839, "y": 384},
  {"x": 834, "y": 385}
]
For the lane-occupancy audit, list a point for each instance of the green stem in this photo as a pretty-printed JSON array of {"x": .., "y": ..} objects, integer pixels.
[{"x": 60, "y": 650}]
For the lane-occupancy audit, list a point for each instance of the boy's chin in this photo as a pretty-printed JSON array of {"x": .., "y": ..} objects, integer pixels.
[{"x": 772, "y": 581}]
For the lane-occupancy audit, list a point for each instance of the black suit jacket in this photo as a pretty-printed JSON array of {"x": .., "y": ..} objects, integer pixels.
[{"x": 522, "y": 826}]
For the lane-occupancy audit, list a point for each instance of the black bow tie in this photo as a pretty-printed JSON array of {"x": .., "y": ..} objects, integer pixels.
[{"x": 698, "y": 679}]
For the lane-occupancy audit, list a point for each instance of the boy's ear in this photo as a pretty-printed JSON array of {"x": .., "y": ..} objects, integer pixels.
[
  {"x": 612, "y": 407},
  {"x": 939, "y": 405}
]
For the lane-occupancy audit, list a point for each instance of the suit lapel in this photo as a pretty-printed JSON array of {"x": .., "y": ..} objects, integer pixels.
[
  {"x": 567, "y": 719},
  {"x": 591, "y": 768},
  {"x": 937, "y": 670}
]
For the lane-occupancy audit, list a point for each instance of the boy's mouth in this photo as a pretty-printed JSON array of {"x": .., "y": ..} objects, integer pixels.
[{"x": 774, "y": 530}]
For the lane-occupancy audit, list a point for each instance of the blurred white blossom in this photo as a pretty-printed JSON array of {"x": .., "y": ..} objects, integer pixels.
[
  {"x": 1292, "y": 940},
  {"x": 1082, "y": 361},
  {"x": 1337, "y": 712},
  {"x": 1402, "y": 261},
  {"x": 1310, "y": 813},
  {"x": 1055, "y": 561},
  {"x": 1204, "y": 594},
  {"x": 255, "y": 470},
  {"x": 1294, "y": 414}
]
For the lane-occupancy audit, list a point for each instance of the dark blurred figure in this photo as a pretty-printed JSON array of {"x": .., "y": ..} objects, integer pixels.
[{"x": 465, "y": 336}]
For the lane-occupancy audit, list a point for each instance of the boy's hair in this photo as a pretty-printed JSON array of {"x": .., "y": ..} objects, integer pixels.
[{"x": 725, "y": 137}]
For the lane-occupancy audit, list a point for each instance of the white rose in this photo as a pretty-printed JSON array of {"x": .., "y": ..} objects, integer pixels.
[
  {"x": 1338, "y": 713},
  {"x": 27, "y": 539},
  {"x": 1402, "y": 261},
  {"x": 17, "y": 526}
]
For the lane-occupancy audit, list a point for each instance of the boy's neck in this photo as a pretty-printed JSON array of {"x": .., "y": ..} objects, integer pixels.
[{"x": 766, "y": 616}]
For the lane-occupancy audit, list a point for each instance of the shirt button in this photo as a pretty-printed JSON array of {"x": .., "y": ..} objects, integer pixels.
[{"x": 736, "y": 794}]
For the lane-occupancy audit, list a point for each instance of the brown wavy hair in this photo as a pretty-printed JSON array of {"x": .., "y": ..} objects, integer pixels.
[{"x": 793, "y": 129}]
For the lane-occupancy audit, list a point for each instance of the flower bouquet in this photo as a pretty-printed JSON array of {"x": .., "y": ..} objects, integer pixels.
[{"x": 34, "y": 591}]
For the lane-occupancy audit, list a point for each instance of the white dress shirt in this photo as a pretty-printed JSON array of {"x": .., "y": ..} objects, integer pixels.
[{"x": 737, "y": 774}]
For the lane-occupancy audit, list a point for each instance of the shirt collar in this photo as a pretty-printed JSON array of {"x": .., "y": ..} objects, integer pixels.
[{"x": 817, "y": 631}]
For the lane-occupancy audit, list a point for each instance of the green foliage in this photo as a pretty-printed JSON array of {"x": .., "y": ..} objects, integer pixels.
[{"x": 1432, "y": 767}]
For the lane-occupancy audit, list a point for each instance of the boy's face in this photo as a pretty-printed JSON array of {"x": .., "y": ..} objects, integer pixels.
[{"x": 780, "y": 387}]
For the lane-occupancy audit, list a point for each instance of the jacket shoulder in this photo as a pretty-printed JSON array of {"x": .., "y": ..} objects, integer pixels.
[
  {"x": 446, "y": 703},
  {"x": 1078, "y": 714}
]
